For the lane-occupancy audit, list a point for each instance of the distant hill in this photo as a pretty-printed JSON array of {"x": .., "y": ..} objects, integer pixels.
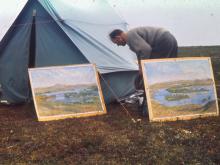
[
  {"x": 182, "y": 83},
  {"x": 197, "y": 51},
  {"x": 60, "y": 87},
  {"x": 204, "y": 51}
]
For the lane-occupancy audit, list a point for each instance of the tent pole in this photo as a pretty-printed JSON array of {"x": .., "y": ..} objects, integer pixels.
[{"x": 32, "y": 48}]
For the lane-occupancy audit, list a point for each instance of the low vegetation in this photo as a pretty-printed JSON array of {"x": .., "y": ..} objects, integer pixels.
[{"x": 108, "y": 139}]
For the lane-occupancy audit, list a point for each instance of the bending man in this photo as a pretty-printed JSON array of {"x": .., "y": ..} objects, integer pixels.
[{"x": 147, "y": 43}]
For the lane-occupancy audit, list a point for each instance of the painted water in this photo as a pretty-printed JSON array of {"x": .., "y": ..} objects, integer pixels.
[
  {"x": 78, "y": 95},
  {"x": 197, "y": 95}
]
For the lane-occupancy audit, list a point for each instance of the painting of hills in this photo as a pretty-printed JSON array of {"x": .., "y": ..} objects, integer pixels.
[
  {"x": 180, "y": 88},
  {"x": 67, "y": 91}
]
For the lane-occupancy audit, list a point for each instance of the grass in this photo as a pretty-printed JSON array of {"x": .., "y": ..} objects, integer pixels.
[{"x": 109, "y": 139}]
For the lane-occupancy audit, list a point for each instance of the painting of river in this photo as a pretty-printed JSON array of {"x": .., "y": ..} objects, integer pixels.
[
  {"x": 178, "y": 88},
  {"x": 67, "y": 91}
]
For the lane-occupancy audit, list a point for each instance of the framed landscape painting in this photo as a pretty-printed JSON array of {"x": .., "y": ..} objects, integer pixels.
[
  {"x": 179, "y": 88},
  {"x": 66, "y": 91}
]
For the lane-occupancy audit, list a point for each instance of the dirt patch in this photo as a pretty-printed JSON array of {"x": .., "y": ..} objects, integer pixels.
[{"x": 107, "y": 139}]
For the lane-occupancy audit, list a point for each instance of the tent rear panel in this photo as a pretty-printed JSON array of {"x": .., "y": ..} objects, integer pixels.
[{"x": 118, "y": 84}]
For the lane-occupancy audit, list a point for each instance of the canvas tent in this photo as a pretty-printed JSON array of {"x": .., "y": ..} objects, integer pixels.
[{"x": 54, "y": 32}]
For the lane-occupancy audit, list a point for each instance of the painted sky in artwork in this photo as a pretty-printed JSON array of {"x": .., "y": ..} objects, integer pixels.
[
  {"x": 166, "y": 71},
  {"x": 63, "y": 76}
]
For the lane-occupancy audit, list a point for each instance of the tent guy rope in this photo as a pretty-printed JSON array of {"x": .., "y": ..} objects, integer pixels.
[{"x": 116, "y": 97}]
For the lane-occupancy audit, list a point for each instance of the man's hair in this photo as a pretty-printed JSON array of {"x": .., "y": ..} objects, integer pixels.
[{"x": 115, "y": 33}]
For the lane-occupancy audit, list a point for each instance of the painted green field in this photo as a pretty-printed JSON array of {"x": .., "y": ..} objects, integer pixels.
[
  {"x": 182, "y": 98},
  {"x": 69, "y": 100},
  {"x": 51, "y": 108}
]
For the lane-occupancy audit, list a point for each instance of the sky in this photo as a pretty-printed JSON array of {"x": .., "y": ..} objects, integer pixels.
[
  {"x": 65, "y": 76},
  {"x": 184, "y": 70},
  {"x": 193, "y": 22}
]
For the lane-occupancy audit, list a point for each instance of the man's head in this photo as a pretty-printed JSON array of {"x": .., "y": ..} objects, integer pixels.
[{"x": 118, "y": 37}]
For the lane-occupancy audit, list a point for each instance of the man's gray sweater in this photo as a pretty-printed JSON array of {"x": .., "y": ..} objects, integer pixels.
[{"x": 142, "y": 40}]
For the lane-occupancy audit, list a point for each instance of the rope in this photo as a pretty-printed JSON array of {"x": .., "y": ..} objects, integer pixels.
[{"x": 117, "y": 98}]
